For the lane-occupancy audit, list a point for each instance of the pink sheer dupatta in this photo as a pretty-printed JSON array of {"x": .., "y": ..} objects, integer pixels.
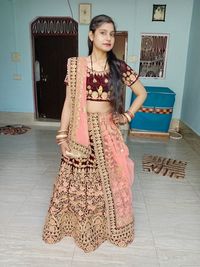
[{"x": 78, "y": 129}]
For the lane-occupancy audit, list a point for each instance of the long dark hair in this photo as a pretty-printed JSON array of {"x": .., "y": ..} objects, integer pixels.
[{"x": 116, "y": 84}]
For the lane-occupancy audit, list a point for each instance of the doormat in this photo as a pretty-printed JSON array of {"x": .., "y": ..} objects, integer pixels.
[
  {"x": 164, "y": 166},
  {"x": 14, "y": 129}
]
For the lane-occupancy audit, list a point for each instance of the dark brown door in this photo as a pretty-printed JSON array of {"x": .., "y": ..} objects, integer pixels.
[
  {"x": 120, "y": 47},
  {"x": 51, "y": 54}
]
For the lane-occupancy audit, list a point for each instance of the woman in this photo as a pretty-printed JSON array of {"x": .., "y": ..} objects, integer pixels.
[{"x": 92, "y": 194}]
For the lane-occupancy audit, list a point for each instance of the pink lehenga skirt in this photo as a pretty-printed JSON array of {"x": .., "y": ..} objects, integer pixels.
[{"x": 92, "y": 198}]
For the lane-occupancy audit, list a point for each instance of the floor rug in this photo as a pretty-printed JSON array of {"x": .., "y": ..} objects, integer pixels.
[
  {"x": 164, "y": 166},
  {"x": 14, "y": 129}
]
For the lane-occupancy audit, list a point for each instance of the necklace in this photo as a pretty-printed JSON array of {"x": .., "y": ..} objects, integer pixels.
[{"x": 92, "y": 64}]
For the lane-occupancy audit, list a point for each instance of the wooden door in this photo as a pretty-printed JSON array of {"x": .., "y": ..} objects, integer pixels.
[
  {"x": 120, "y": 47},
  {"x": 54, "y": 41},
  {"x": 52, "y": 53}
]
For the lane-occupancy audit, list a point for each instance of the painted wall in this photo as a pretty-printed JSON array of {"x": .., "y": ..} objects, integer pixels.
[
  {"x": 14, "y": 95},
  {"x": 177, "y": 24},
  {"x": 191, "y": 98},
  {"x": 133, "y": 16}
]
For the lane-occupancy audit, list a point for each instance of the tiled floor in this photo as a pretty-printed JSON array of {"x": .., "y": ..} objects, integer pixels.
[{"x": 167, "y": 211}]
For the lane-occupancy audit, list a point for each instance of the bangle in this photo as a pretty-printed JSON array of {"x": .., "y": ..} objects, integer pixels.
[
  {"x": 60, "y": 136},
  {"x": 61, "y": 141},
  {"x": 128, "y": 117},
  {"x": 131, "y": 114},
  {"x": 62, "y": 131}
]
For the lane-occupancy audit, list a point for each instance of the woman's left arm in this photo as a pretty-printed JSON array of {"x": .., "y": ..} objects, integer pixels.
[{"x": 141, "y": 94}]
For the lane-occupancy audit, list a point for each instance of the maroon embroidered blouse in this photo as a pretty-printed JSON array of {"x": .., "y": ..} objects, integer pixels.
[{"x": 97, "y": 82}]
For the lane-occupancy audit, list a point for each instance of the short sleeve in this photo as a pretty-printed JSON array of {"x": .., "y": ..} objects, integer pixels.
[{"x": 129, "y": 76}]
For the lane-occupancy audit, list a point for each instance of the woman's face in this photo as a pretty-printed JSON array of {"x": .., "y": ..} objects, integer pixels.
[{"x": 103, "y": 38}]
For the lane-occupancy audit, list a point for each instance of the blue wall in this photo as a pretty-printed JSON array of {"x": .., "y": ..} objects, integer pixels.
[
  {"x": 177, "y": 24},
  {"x": 133, "y": 16},
  {"x": 191, "y": 98}
]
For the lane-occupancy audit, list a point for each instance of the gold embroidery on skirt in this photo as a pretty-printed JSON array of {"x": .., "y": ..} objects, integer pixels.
[
  {"x": 120, "y": 236},
  {"x": 82, "y": 205}
]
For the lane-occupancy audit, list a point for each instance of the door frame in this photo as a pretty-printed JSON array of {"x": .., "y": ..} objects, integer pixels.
[{"x": 49, "y": 26}]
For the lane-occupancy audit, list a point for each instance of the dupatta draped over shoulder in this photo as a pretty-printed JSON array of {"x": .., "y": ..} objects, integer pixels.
[{"x": 78, "y": 127}]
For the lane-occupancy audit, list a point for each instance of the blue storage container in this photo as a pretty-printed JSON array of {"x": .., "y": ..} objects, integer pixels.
[{"x": 156, "y": 113}]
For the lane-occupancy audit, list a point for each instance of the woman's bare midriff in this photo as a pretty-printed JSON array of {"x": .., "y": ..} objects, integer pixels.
[{"x": 98, "y": 106}]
